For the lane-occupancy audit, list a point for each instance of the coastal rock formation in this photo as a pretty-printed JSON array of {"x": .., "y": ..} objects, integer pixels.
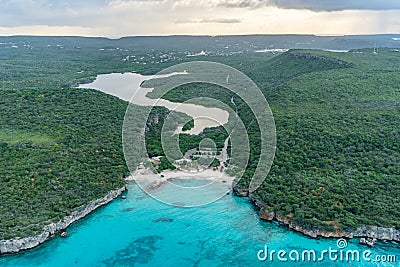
[
  {"x": 64, "y": 234},
  {"x": 368, "y": 241},
  {"x": 19, "y": 244},
  {"x": 370, "y": 232},
  {"x": 266, "y": 215},
  {"x": 241, "y": 192}
]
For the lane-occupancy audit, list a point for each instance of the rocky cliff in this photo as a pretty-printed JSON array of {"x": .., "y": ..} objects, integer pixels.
[
  {"x": 19, "y": 244},
  {"x": 373, "y": 232}
]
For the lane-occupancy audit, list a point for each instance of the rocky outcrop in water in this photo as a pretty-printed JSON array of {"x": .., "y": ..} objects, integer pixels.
[
  {"x": 163, "y": 219},
  {"x": 19, "y": 244},
  {"x": 371, "y": 232},
  {"x": 241, "y": 192}
]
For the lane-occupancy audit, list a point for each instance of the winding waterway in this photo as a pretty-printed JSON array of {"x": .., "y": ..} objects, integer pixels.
[{"x": 127, "y": 87}]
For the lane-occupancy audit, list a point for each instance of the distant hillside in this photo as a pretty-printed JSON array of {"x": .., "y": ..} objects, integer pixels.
[{"x": 244, "y": 43}]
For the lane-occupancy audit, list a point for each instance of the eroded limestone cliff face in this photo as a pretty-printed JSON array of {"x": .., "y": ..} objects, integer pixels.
[
  {"x": 373, "y": 232},
  {"x": 19, "y": 244}
]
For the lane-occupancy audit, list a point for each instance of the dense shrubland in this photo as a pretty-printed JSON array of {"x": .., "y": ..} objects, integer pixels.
[{"x": 337, "y": 159}]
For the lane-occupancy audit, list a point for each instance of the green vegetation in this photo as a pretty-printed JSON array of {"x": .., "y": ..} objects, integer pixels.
[
  {"x": 212, "y": 162},
  {"x": 215, "y": 163},
  {"x": 337, "y": 118},
  {"x": 188, "y": 126},
  {"x": 13, "y": 136},
  {"x": 59, "y": 147},
  {"x": 58, "y": 150},
  {"x": 338, "y": 155},
  {"x": 165, "y": 165}
]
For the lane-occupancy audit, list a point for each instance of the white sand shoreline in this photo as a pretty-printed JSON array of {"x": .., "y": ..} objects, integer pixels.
[{"x": 151, "y": 180}]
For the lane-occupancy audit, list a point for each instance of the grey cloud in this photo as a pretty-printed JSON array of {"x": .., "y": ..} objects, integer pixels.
[
  {"x": 209, "y": 20},
  {"x": 47, "y": 12},
  {"x": 242, "y": 3},
  {"x": 219, "y": 20},
  {"x": 18, "y": 5},
  {"x": 103, "y": 13},
  {"x": 315, "y": 5},
  {"x": 83, "y": 13}
]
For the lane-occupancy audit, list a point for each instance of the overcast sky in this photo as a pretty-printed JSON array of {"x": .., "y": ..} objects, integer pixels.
[{"x": 115, "y": 18}]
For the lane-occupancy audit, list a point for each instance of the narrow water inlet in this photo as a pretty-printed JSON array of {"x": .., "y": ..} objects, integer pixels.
[{"x": 127, "y": 85}]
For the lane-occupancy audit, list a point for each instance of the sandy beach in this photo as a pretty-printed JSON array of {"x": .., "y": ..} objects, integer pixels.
[{"x": 146, "y": 177}]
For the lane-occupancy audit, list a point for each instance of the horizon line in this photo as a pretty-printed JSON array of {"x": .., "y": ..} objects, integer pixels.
[{"x": 202, "y": 35}]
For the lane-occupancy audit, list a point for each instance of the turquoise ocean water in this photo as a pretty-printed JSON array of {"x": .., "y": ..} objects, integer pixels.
[{"x": 140, "y": 231}]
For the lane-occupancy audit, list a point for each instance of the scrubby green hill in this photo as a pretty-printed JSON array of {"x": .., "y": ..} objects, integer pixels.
[
  {"x": 337, "y": 118},
  {"x": 59, "y": 149},
  {"x": 338, "y": 153}
]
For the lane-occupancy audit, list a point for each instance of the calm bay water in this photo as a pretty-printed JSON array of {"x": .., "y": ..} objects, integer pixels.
[{"x": 140, "y": 231}]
